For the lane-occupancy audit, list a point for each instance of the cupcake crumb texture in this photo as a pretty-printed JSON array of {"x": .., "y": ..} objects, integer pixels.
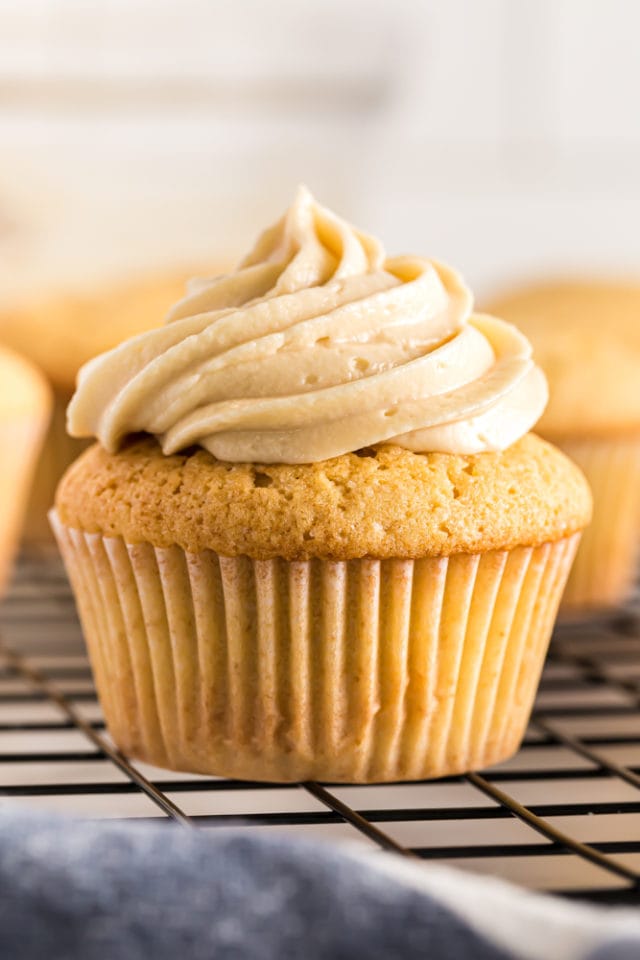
[{"x": 379, "y": 502}]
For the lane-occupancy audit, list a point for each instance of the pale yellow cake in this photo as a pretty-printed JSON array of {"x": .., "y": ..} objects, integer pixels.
[
  {"x": 378, "y": 616},
  {"x": 586, "y": 336},
  {"x": 380, "y": 502}
]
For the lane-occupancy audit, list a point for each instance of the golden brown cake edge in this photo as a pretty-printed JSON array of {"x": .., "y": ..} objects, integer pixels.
[{"x": 384, "y": 502}]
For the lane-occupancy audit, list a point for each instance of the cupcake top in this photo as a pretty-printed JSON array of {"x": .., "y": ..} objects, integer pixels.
[
  {"x": 317, "y": 345},
  {"x": 60, "y": 333},
  {"x": 381, "y": 502},
  {"x": 586, "y": 336}
]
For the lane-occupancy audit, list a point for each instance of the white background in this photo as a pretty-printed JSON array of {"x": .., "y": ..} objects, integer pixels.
[{"x": 500, "y": 135}]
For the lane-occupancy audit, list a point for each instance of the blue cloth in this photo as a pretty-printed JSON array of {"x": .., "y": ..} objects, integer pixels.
[{"x": 74, "y": 889}]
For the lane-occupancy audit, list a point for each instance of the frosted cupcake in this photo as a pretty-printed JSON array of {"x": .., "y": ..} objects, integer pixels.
[
  {"x": 316, "y": 539},
  {"x": 25, "y": 405},
  {"x": 587, "y": 339},
  {"x": 59, "y": 334}
]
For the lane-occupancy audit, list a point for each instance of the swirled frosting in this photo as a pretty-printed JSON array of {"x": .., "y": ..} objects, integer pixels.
[{"x": 317, "y": 345}]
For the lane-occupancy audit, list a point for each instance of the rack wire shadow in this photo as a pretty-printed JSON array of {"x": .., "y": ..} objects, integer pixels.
[{"x": 563, "y": 815}]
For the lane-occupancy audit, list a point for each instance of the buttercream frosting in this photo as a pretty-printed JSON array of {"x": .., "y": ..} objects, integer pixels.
[{"x": 317, "y": 345}]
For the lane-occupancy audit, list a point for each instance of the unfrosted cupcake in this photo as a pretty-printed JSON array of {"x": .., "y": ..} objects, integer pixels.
[
  {"x": 316, "y": 539},
  {"x": 59, "y": 333},
  {"x": 586, "y": 335},
  {"x": 25, "y": 404}
]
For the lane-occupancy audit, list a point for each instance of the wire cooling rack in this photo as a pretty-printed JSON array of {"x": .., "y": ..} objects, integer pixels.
[{"x": 563, "y": 815}]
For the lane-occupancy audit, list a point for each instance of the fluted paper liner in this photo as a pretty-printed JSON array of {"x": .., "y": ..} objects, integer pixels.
[
  {"x": 363, "y": 670},
  {"x": 606, "y": 563}
]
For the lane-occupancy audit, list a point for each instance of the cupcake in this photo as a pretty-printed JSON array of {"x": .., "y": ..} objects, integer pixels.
[
  {"x": 586, "y": 336},
  {"x": 316, "y": 539},
  {"x": 61, "y": 333},
  {"x": 24, "y": 411}
]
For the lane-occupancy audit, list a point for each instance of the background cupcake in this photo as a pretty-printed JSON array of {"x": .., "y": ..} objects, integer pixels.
[
  {"x": 337, "y": 553},
  {"x": 25, "y": 405},
  {"x": 586, "y": 336}
]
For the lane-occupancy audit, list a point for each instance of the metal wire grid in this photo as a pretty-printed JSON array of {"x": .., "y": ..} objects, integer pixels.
[{"x": 563, "y": 815}]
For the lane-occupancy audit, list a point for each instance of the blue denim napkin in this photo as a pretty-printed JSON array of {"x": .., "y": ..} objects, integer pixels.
[{"x": 95, "y": 891}]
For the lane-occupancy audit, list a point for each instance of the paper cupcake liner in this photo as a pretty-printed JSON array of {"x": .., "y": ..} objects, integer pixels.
[
  {"x": 605, "y": 568},
  {"x": 360, "y": 671},
  {"x": 58, "y": 451}
]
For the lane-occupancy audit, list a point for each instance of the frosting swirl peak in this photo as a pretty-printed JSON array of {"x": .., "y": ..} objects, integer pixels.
[{"x": 317, "y": 345}]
